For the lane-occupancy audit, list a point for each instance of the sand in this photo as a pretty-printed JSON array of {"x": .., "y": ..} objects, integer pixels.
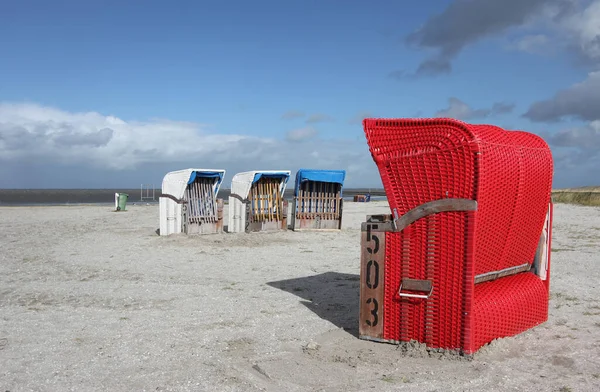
[{"x": 95, "y": 300}]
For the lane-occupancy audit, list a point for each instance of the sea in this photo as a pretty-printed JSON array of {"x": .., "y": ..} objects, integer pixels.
[{"x": 65, "y": 197}]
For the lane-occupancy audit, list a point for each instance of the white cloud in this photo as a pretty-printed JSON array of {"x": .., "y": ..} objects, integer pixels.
[
  {"x": 581, "y": 101},
  {"x": 463, "y": 23},
  {"x": 584, "y": 27},
  {"x": 37, "y": 132},
  {"x": 34, "y": 139},
  {"x": 571, "y": 25},
  {"x": 535, "y": 26},
  {"x": 576, "y": 155},
  {"x": 585, "y": 138}
]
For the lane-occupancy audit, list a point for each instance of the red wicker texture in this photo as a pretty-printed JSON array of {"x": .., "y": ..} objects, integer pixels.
[
  {"x": 515, "y": 182},
  {"x": 509, "y": 174},
  {"x": 419, "y": 162},
  {"x": 437, "y": 321},
  {"x": 391, "y": 310},
  {"x": 506, "y": 307}
]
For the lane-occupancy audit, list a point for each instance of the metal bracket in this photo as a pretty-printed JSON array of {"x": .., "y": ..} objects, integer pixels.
[
  {"x": 416, "y": 285},
  {"x": 395, "y": 223},
  {"x": 502, "y": 273}
]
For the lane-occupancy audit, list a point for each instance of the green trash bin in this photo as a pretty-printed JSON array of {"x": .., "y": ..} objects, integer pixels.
[{"x": 122, "y": 201}]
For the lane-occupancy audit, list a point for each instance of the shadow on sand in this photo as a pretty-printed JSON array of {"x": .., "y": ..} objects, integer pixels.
[{"x": 333, "y": 296}]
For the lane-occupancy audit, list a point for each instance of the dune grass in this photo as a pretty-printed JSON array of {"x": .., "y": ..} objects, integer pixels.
[{"x": 585, "y": 196}]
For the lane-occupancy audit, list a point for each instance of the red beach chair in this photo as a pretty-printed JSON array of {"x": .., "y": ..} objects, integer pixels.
[{"x": 464, "y": 257}]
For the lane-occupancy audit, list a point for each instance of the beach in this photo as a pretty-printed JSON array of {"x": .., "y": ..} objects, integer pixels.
[{"x": 95, "y": 300}]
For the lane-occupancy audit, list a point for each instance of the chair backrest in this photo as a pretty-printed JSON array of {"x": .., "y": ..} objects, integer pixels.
[{"x": 508, "y": 173}]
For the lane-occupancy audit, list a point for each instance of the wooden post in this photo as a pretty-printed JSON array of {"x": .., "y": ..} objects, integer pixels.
[
  {"x": 294, "y": 209},
  {"x": 184, "y": 217},
  {"x": 212, "y": 202},
  {"x": 205, "y": 202},
  {"x": 316, "y": 196},
  {"x": 272, "y": 199},
  {"x": 198, "y": 202},
  {"x": 261, "y": 192},
  {"x": 372, "y": 274},
  {"x": 192, "y": 207},
  {"x": 340, "y": 208},
  {"x": 188, "y": 204},
  {"x": 248, "y": 217},
  {"x": 313, "y": 201},
  {"x": 219, "y": 214},
  {"x": 301, "y": 207},
  {"x": 279, "y": 203},
  {"x": 256, "y": 212},
  {"x": 254, "y": 206},
  {"x": 263, "y": 203},
  {"x": 328, "y": 199},
  {"x": 213, "y": 195},
  {"x": 284, "y": 207}
]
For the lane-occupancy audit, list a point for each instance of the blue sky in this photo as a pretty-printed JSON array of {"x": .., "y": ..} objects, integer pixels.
[{"x": 113, "y": 94}]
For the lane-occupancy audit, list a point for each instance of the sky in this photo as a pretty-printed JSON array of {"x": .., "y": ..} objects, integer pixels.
[{"x": 113, "y": 94}]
